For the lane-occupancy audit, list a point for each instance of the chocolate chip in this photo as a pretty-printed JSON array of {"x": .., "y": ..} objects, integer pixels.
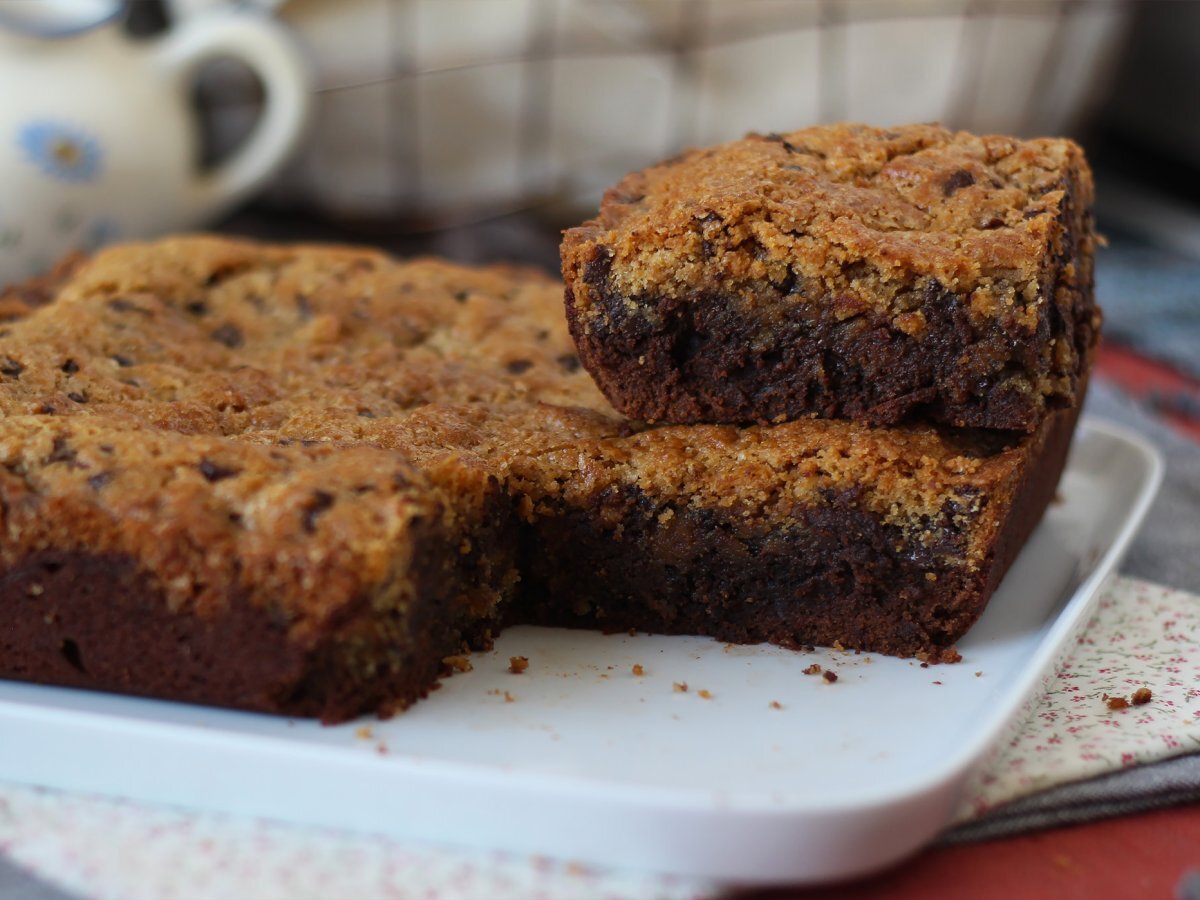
[
  {"x": 518, "y": 366},
  {"x": 77, "y": 397},
  {"x": 366, "y": 414},
  {"x": 461, "y": 296},
  {"x": 321, "y": 501},
  {"x": 1032, "y": 213},
  {"x": 123, "y": 361},
  {"x": 122, "y": 305},
  {"x": 541, "y": 334},
  {"x": 361, "y": 489},
  {"x": 569, "y": 362},
  {"x": 960, "y": 179},
  {"x": 10, "y": 367},
  {"x": 99, "y": 480},
  {"x": 61, "y": 452},
  {"x": 70, "y": 652},
  {"x": 229, "y": 335},
  {"x": 44, "y": 409},
  {"x": 70, "y": 367},
  {"x": 196, "y": 308},
  {"x": 988, "y": 223},
  {"x": 213, "y": 472}
]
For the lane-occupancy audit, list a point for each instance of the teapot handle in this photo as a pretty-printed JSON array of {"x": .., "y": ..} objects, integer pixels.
[{"x": 263, "y": 45}]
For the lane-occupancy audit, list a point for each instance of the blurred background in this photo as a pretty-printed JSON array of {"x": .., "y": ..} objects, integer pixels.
[{"x": 478, "y": 129}]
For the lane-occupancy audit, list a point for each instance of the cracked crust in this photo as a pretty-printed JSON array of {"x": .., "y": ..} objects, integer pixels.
[
  {"x": 297, "y": 478},
  {"x": 842, "y": 271}
]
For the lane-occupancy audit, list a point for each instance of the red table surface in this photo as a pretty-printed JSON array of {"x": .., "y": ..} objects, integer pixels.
[{"x": 1149, "y": 855}]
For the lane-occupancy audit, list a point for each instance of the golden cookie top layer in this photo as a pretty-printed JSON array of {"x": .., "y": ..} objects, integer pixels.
[{"x": 860, "y": 209}]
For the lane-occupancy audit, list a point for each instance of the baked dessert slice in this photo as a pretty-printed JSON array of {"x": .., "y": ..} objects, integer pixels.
[
  {"x": 881, "y": 275},
  {"x": 312, "y": 581},
  {"x": 296, "y": 479},
  {"x": 810, "y": 532}
]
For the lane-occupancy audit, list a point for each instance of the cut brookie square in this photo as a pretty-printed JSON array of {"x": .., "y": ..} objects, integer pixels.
[
  {"x": 809, "y": 532},
  {"x": 882, "y": 275}
]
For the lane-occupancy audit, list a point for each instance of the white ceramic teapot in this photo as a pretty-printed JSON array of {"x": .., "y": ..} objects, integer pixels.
[{"x": 97, "y": 138}]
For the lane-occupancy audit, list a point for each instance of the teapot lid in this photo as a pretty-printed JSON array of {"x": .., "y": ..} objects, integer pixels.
[{"x": 57, "y": 18}]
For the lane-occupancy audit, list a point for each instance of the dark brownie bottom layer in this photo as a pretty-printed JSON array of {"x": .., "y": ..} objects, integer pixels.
[
  {"x": 833, "y": 576},
  {"x": 707, "y": 359},
  {"x": 95, "y": 621}
]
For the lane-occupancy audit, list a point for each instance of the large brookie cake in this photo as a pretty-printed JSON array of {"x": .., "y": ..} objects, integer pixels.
[{"x": 297, "y": 478}]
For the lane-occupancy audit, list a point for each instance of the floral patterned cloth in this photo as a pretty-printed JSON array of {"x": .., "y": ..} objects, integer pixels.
[{"x": 1142, "y": 635}]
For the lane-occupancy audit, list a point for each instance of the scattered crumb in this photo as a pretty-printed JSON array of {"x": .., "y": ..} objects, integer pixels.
[
  {"x": 935, "y": 682},
  {"x": 837, "y": 645},
  {"x": 814, "y": 669},
  {"x": 978, "y": 674},
  {"x": 381, "y": 748},
  {"x": 680, "y": 687},
  {"x": 518, "y": 664},
  {"x": 576, "y": 870},
  {"x": 509, "y": 698},
  {"x": 1115, "y": 703},
  {"x": 775, "y": 704},
  {"x": 829, "y": 675},
  {"x": 704, "y": 695},
  {"x": 1142, "y": 696},
  {"x": 363, "y": 732},
  {"x": 633, "y": 632},
  {"x": 924, "y": 665},
  {"x": 604, "y": 675},
  {"x": 458, "y": 663},
  {"x": 638, "y": 670}
]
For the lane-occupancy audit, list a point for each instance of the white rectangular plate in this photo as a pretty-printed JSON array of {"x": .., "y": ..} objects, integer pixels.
[{"x": 755, "y": 773}]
